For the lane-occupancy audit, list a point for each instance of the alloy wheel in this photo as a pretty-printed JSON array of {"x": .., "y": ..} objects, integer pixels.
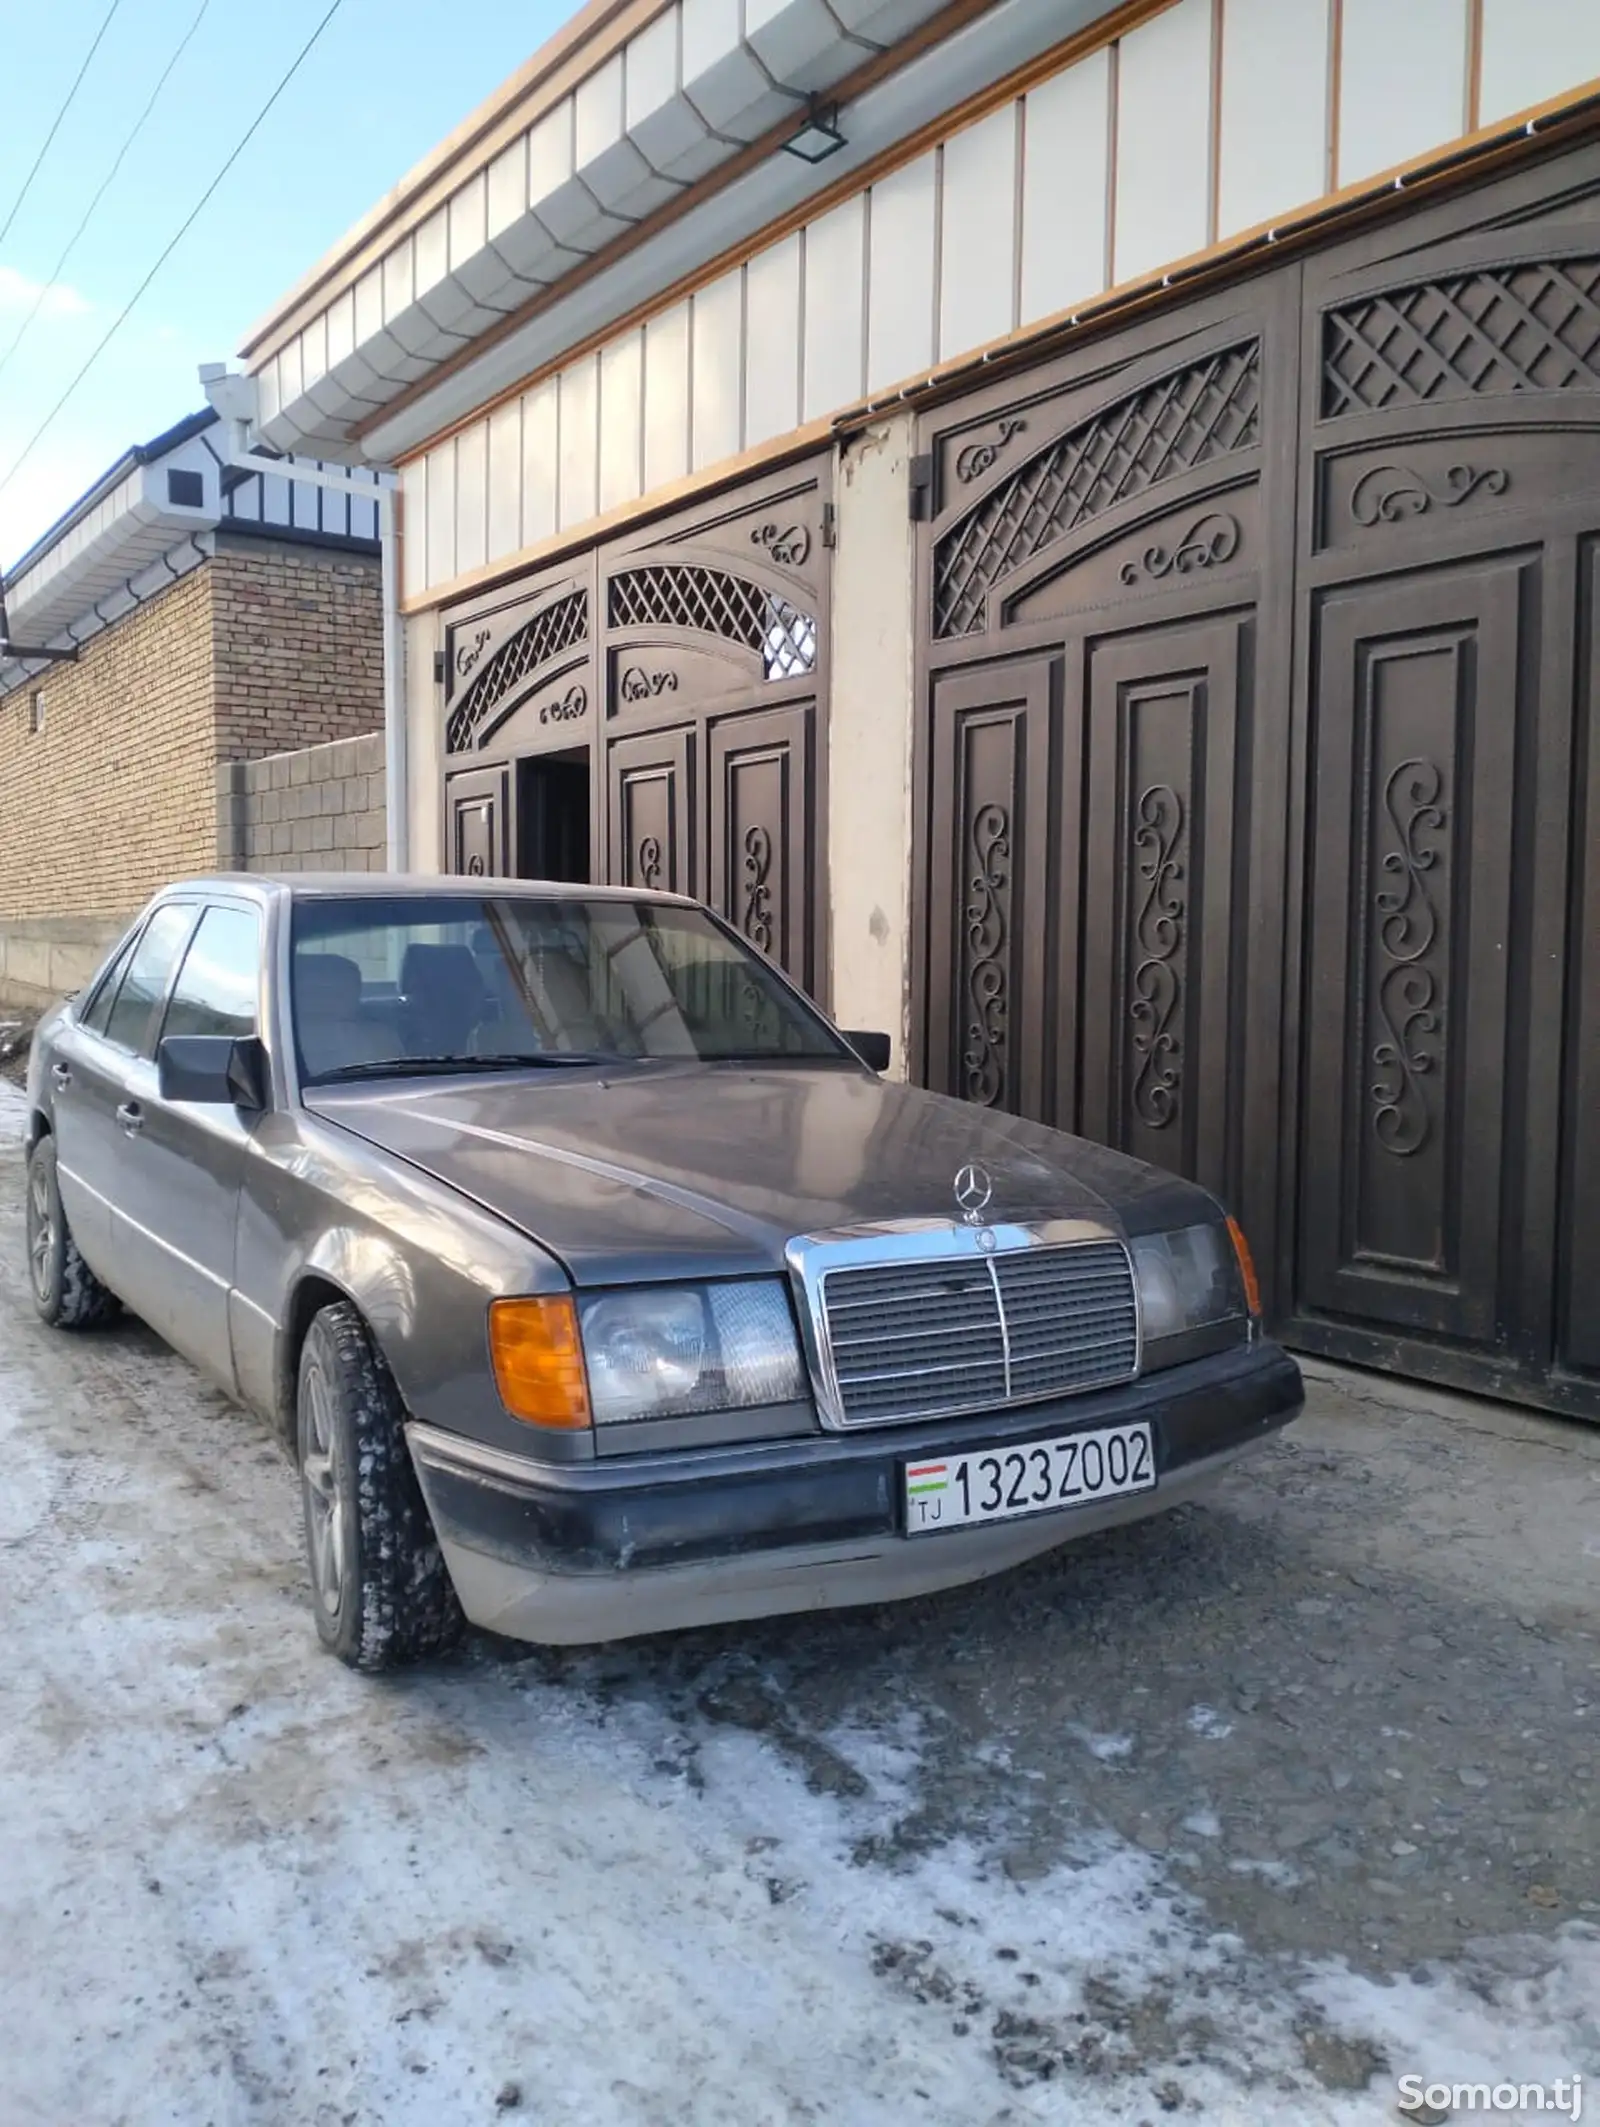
[
  {"x": 321, "y": 1467},
  {"x": 41, "y": 1232}
]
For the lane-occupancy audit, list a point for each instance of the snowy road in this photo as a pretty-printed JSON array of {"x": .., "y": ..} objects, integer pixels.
[{"x": 878, "y": 1869}]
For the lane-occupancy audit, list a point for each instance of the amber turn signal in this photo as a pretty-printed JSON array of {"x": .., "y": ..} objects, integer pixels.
[
  {"x": 538, "y": 1361},
  {"x": 1247, "y": 1268}
]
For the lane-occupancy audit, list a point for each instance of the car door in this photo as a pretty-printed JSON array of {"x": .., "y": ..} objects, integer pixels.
[
  {"x": 178, "y": 1226},
  {"x": 94, "y": 1055}
]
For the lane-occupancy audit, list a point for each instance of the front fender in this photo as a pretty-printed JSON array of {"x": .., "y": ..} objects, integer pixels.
[{"x": 324, "y": 1213}]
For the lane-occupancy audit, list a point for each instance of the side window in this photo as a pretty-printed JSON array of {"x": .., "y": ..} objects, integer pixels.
[
  {"x": 149, "y": 972},
  {"x": 218, "y": 983},
  {"x": 98, "y": 1010}
]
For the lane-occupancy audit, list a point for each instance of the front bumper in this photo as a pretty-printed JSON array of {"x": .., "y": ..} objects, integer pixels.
[{"x": 578, "y": 1553}]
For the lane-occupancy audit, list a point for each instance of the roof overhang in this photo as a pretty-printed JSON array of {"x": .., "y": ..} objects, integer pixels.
[{"x": 668, "y": 154}]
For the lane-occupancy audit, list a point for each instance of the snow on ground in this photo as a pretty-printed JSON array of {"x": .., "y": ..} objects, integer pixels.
[
  {"x": 13, "y": 1111},
  {"x": 240, "y": 1885}
]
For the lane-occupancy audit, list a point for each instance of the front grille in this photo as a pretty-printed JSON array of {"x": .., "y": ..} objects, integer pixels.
[{"x": 925, "y": 1339}]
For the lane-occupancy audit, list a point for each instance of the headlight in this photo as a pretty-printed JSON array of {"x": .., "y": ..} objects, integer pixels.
[
  {"x": 1187, "y": 1280},
  {"x": 668, "y": 1351}
]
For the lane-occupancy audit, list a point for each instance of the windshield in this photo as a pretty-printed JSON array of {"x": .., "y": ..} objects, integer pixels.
[{"x": 381, "y": 985}]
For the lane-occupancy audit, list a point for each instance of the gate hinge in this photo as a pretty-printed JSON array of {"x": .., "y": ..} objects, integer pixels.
[
  {"x": 921, "y": 484},
  {"x": 830, "y": 525},
  {"x": 438, "y": 668}
]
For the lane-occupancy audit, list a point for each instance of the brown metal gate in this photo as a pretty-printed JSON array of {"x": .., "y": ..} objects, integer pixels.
[
  {"x": 1257, "y": 787},
  {"x": 690, "y": 658}
]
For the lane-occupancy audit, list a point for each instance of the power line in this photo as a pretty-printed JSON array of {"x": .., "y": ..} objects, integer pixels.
[
  {"x": 57, "y": 269},
  {"x": 184, "y": 227},
  {"x": 55, "y": 125}
]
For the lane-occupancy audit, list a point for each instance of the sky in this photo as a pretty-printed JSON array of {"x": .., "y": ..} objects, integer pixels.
[{"x": 385, "y": 83}]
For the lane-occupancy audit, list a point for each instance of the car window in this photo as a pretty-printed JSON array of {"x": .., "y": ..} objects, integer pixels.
[
  {"x": 98, "y": 1010},
  {"x": 218, "y": 984},
  {"x": 379, "y": 979},
  {"x": 149, "y": 971}
]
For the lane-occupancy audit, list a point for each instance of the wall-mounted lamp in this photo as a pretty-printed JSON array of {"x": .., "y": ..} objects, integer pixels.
[{"x": 818, "y": 138}]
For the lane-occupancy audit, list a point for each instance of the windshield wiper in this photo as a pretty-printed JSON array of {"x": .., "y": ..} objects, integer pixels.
[{"x": 435, "y": 1066}]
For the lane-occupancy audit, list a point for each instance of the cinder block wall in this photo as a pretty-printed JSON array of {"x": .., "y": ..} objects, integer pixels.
[{"x": 318, "y": 809}]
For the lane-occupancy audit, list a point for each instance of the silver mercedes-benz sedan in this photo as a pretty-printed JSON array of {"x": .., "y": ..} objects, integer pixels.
[{"x": 597, "y": 1284}]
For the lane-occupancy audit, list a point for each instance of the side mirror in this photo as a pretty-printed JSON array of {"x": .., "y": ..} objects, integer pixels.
[
  {"x": 216, "y": 1069},
  {"x": 873, "y": 1049}
]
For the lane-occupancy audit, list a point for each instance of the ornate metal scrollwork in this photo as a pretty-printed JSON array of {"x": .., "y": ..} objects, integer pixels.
[
  {"x": 1407, "y": 999},
  {"x": 973, "y": 462},
  {"x": 757, "y": 919},
  {"x": 470, "y": 651},
  {"x": 647, "y": 863},
  {"x": 1156, "y": 988},
  {"x": 987, "y": 931},
  {"x": 788, "y": 544},
  {"x": 638, "y": 685},
  {"x": 566, "y": 709},
  {"x": 1388, "y": 494},
  {"x": 1209, "y": 541}
]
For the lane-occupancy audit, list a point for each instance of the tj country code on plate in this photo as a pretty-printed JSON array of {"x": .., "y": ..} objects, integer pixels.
[{"x": 997, "y": 1484}]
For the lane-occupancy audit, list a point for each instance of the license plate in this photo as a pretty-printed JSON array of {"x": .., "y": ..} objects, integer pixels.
[{"x": 1000, "y": 1484}]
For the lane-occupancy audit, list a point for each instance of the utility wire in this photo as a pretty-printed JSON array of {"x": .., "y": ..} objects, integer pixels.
[
  {"x": 184, "y": 227},
  {"x": 59, "y": 267},
  {"x": 55, "y": 125}
]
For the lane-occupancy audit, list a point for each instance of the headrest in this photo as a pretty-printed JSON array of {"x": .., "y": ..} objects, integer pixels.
[
  {"x": 441, "y": 973},
  {"x": 328, "y": 985}
]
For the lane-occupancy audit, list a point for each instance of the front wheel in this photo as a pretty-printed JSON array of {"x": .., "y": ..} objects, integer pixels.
[
  {"x": 379, "y": 1585},
  {"x": 66, "y": 1291}
]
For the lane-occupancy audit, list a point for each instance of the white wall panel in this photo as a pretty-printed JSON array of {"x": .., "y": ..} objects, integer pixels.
[
  {"x": 1276, "y": 108},
  {"x": 835, "y": 310},
  {"x": 1403, "y": 82},
  {"x": 505, "y": 479},
  {"x": 978, "y": 234},
  {"x": 621, "y": 393},
  {"x": 718, "y": 367},
  {"x": 1066, "y": 126},
  {"x": 472, "y": 497},
  {"x": 651, "y": 67},
  {"x": 900, "y": 275},
  {"x": 442, "y": 512},
  {"x": 415, "y": 575},
  {"x": 539, "y": 459},
  {"x": 1163, "y": 209},
  {"x": 772, "y": 343},
  {"x": 1535, "y": 49},
  {"x": 666, "y": 397},
  {"x": 577, "y": 481}
]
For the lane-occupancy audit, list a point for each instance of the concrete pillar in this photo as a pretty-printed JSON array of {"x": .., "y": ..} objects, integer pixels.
[
  {"x": 869, "y": 735},
  {"x": 425, "y": 744}
]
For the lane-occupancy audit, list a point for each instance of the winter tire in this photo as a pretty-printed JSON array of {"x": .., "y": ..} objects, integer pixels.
[
  {"x": 379, "y": 1585},
  {"x": 66, "y": 1291}
]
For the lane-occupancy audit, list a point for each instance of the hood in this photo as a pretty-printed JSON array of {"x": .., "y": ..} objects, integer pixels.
[{"x": 669, "y": 1170}]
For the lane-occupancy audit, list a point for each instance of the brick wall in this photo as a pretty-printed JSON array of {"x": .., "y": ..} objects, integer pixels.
[
  {"x": 299, "y": 646},
  {"x": 319, "y": 809},
  {"x": 116, "y": 794}
]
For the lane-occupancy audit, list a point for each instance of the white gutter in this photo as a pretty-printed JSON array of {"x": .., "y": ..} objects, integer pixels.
[{"x": 234, "y": 398}]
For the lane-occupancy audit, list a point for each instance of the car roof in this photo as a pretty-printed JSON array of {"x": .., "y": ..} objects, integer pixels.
[{"x": 389, "y": 885}]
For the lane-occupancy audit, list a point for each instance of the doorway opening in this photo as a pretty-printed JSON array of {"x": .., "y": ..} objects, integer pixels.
[{"x": 553, "y": 816}]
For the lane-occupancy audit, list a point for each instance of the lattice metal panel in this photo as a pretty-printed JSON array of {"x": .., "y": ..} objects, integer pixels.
[
  {"x": 1181, "y": 421},
  {"x": 1530, "y": 327},
  {"x": 685, "y": 595},
  {"x": 547, "y": 636}
]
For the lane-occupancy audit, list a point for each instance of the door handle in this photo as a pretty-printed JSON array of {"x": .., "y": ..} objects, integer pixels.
[
  {"x": 61, "y": 1075},
  {"x": 131, "y": 1117}
]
